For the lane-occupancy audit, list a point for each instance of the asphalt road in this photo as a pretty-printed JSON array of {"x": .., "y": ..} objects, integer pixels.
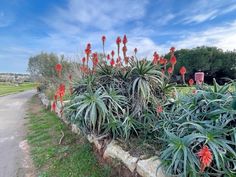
[{"x": 13, "y": 148}]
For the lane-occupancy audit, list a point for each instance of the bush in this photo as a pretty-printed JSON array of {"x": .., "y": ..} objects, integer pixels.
[
  {"x": 133, "y": 98},
  {"x": 116, "y": 98},
  {"x": 205, "y": 118}
]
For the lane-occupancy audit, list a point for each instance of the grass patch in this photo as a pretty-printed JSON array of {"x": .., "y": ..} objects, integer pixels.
[
  {"x": 6, "y": 88},
  {"x": 74, "y": 157}
]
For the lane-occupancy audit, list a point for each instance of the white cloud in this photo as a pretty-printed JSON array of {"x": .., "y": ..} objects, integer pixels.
[
  {"x": 163, "y": 20},
  {"x": 103, "y": 15},
  {"x": 201, "y": 17},
  {"x": 222, "y": 36},
  {"x": 204, "y": 10},
  {"x": 146, "y": 47}
]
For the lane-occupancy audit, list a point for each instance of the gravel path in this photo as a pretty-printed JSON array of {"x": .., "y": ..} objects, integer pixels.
[{"x": 14, "y": 156}]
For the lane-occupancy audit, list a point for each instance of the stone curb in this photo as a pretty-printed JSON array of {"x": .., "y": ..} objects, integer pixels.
[{"x": 145, "y": 168}]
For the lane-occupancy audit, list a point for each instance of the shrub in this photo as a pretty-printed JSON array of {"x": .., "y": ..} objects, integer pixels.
[
  {"x": 115, "y": 97},
  {"x": 205, "y": 118},
  {"x": 132, "y": 97}
]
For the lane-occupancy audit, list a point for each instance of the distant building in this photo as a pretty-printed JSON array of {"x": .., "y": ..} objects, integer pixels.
[{"x": 14, "y": 78}]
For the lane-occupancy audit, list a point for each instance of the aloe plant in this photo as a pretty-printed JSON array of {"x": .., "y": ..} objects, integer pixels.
[{"x": 205, "y": 118}]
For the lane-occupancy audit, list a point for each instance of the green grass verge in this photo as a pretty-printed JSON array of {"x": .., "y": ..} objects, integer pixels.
[
  {"x": 6, "y": 89},
  {"x": 73, "y": 157}
]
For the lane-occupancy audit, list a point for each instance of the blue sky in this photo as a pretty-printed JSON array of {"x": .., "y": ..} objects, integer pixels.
[{"x": 28, "y": 27}]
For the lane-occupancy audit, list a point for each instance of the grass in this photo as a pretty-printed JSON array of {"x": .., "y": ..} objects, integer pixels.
[
  {"x": 73, "y": 157},
  {"x": 6, "y": 89},
  {"x": 187, "y": 90}
]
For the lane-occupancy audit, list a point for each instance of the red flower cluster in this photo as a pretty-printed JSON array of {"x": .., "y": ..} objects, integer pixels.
[
  {"x": 170, "y": 70},
  {"x": 182, "y": 70},
  {"x": 155, "y": 58},
  {"x": 53, "y": 106},
  {"x": 191, "y": 82},
  {"x": 95, "y": 59},
  {"x": 173, "y": 60},
  {"x": 118, "y": 41},
  {"x": 118, "y": 62},
  {"x": 88, "y": 51},
  {"x": 159, "y": 109},
  {"x": 205, "y": 157},
  {"x": 112, "y": 58},
  {"x": 58, "y": 68},
  {"x": 103, "y": 40},
  {"x": 108, "y": 57},
  {"x": 61, "y": 91}
]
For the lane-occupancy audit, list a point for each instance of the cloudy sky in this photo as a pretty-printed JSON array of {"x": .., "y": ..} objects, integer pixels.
[{"x": 28, "y": 27}]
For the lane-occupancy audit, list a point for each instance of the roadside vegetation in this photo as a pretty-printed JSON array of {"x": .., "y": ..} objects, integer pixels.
[
  {"x": 189, "y": 124},
  {"x": 72, "y": 157},
  {"x": 7, "y": 88}
]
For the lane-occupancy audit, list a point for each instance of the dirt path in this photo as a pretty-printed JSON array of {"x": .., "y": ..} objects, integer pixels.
[{"x": 13, "y": 147}]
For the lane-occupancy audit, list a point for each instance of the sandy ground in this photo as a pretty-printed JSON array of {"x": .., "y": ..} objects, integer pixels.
[{"x": 14, "y": 149}]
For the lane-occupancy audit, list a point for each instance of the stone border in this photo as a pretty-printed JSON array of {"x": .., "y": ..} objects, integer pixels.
[{"x": 144, "y": 167}]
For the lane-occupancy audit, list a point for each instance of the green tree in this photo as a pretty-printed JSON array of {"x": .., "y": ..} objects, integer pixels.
[
  {"x": 214, "y": 62},
  {"x": 42, "y": 67}
]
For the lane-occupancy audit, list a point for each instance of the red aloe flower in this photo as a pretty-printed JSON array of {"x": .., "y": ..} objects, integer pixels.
[
  {"x": 112, "y": 62},
  {"x": 61, "y": 91},
  {"x": 191, "y": 82},
  {"x": 118, "y": 41},
  {"x": 54, "y": 106},
  {"x": 87, "y": 51},
  {"x": 88, "y": 46},
  {"x": 173, "y": 60},
  {"x": 182, "y": 70},
  {"x": 172, "y": 50},
  {"x": 84, "y": 69},
  {"x": 95, "y": 59},
  {"x": 162, "y": 61},
  {"x": 125, "y": 40},
  {"x": 58, "y": 68},
  {"x": 55, "y": 97},
  {"x": 205, "y": 157},
  {"x": 135, "y": 51},
  {"x": 103, "y": 39},
  {"x": 155, "y": 58},
  {"x": 170, "y": 70},
  {"x": 124, "y": 49},
  {"x": 159, "y": 109},
  {"x": 103, "y": 44},
  {"x": 108, "y": 57},
  {"x": 112, "y": 53}
]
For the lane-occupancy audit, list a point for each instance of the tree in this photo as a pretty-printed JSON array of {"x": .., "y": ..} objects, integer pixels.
[
  {"x": 214, "y": 62},
  {"x": 42, "y": 67}
]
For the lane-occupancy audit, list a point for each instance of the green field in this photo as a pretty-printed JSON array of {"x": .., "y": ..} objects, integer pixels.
[{"x": 6, "y": 88}]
